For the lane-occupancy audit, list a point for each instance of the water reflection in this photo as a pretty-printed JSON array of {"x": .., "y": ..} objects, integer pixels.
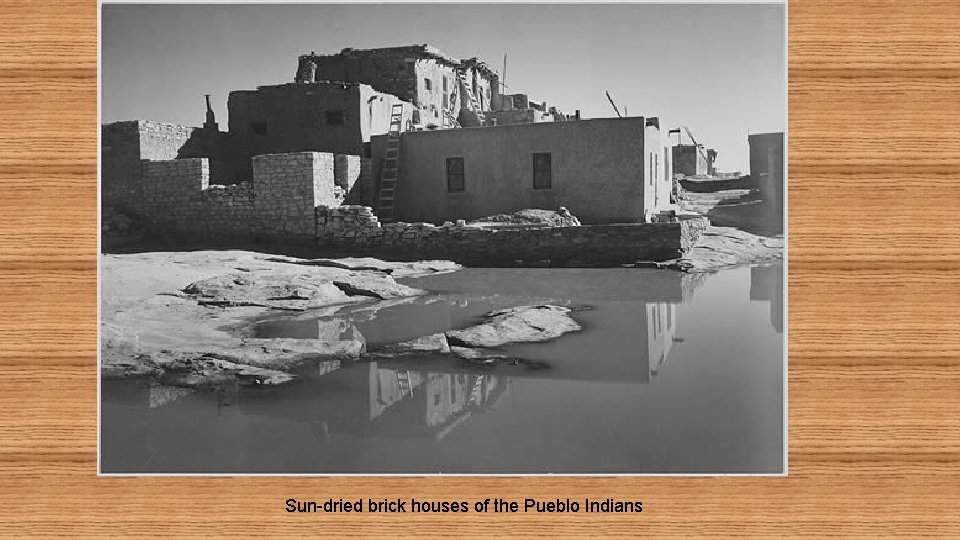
[
  {"x": 766, "y": 284},
  {"x": 428, "y": 396},
  {"x": 672, "y": 372}
]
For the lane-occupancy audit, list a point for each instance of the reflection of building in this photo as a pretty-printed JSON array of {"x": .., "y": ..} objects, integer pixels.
[
  {"x": 661, "y": 328},
  {"x": 766, "y": 167},
  {"x": 428, "y": 403},
  {"x": 766, "y": 284}
]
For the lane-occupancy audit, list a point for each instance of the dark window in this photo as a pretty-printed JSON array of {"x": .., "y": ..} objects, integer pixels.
[
  {"x": 428, "y": 84},
  {"x": 336, "y": 118},
  {"x": 542, "y": 175},
  {"x": 258, "y": 128},
  {"x": 444, "y": 83},
  {"x": 455, "y": 174}
]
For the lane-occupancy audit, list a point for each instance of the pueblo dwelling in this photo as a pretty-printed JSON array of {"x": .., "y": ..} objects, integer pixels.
[{"x": 409, "y": 131}]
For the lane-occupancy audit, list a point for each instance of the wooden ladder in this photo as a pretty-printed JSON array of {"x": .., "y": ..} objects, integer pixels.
[
  {"x": 471, "y": 98},
  {"x": 389, "y": 172},
  {"x": 476, "y": 394},
  {"x": 403, "y": 381}
]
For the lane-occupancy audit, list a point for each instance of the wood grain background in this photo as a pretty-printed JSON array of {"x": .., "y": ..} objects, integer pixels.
[{"x": 874, "y": 251}]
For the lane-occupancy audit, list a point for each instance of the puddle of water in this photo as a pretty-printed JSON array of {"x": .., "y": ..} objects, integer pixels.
[{"x": 672, "y": 373}]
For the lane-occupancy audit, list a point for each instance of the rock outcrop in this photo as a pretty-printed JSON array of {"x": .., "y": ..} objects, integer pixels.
[
  {"x": 192, "y": 335},
  {"x": 294, "y": 291},
  {"x": 515, "y": 325},
  {"x": 474, "y": 344}
]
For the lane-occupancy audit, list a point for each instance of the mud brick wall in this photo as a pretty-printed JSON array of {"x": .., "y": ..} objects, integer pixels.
[
  {"x": 346, "y": 170},
  {"x": 357, "y": 229},
  {"x": 286, "y": 189},
  {"x": 364, "y": 190},
  {"x": 120, "y": 165}
]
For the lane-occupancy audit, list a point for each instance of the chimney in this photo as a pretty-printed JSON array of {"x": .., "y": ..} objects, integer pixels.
[{"x": 211, "y": 122}]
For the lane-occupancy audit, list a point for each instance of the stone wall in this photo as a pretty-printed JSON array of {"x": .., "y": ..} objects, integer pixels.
[
  {"x": 125, "y": 144},
  {"x": 279, "y": 204},
  {"x": 357, "y": 229},
  {"x": 287, "y": 188},
  {"x": 179, "y": 199}
]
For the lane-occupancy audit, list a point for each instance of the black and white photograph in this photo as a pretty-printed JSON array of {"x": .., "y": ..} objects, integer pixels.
[{"x": 461, "y": 238}]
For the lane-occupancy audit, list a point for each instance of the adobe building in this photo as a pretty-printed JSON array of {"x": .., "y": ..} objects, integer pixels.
[
  {"x": 766, "y": 168},
  {"x": 319, "y": 116},
  {"x": 302, "y": 161},
  {"x": 445, "y": 92},
  {"x": 606, "y": 170},
  {"x": 335, "y": 104},
  {"x": 689, "y": 157}
]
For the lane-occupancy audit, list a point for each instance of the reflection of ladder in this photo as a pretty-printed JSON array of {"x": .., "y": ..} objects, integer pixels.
[
  {"x": 476, "y": 395},
  {"x": 391, "y": 166},
  {"x": 403, "y": 380},
  {"x": 470, "y": 97}
]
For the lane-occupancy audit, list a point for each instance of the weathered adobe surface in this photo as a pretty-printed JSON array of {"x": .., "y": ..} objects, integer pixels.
[{"x": 170, "y": 316}]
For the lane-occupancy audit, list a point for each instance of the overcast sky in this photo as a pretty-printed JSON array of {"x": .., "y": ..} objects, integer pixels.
[{"x": 719, "y": 69}]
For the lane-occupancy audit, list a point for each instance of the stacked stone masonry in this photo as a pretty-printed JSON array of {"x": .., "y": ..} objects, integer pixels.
[
  {"x": 287, "y": 189},
  {"x": 357, "y": 229},
  {"x": 178, "y": 197}
]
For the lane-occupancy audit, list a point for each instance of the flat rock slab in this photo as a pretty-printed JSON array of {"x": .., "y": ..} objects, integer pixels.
[
  {"x": 432, "y": 343},
  {"x": 395, "y": 268},
  {"x": 516, "y": 325},
  {"x": 724, "y": 247},
  {"x": 209, "y": 370},
  {"x": 373, "y": 284},
  {"x": 294, "y": 291}
]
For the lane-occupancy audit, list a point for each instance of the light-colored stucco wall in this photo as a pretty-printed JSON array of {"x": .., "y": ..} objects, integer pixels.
[
  {"x": 430, "y": 100},
  {"x": 598, "y": 171}
]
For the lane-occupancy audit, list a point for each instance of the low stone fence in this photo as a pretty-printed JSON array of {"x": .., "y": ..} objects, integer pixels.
[{"x": 357, "y": 229}]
